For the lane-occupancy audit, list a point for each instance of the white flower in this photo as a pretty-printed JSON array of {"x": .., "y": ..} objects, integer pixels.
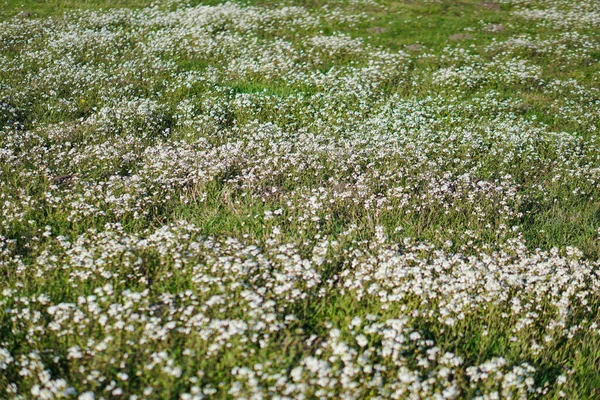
[
  {"x": 362, "y": 340},
  {"x": 5, "y": 358}
]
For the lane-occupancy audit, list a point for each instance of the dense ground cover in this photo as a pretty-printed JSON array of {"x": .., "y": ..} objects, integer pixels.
[{"x": 303, "y": 199}]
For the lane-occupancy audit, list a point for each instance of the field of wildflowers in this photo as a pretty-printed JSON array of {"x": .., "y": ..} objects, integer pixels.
[{"x": 312, "y": 199}]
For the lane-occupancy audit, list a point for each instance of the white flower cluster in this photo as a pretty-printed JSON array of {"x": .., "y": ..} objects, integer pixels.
[
  {"x": 259, "y": 298},
  {"x": 258, "y": 202}
]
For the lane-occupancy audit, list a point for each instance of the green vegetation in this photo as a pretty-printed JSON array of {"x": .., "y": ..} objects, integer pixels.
[{"x": 303, "y": 199}]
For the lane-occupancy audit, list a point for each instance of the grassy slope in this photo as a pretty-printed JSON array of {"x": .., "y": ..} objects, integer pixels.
[
  {"x": 406, "y": 23},
  {"x": 566, "y": 222}
]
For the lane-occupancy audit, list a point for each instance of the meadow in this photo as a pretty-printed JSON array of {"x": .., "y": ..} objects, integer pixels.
[{"x": 313, "y": 199}]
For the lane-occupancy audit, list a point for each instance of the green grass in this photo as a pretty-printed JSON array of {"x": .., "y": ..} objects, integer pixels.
[
  {"x": 46, "y": 8},
  {"x": 48, "y": 140}
]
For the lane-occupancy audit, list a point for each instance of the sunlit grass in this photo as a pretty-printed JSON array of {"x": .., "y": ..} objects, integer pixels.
[{"x": 301, "y": 198}]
